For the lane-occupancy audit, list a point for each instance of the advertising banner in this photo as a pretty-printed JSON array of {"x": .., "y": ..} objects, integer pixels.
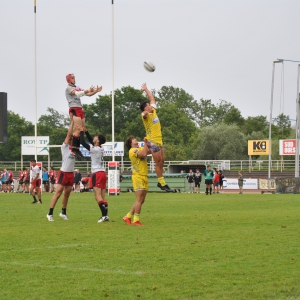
[
  {"x": 113, "y": 178},
  {"x": 258, "y": 147},
  {"x": 28, "y": 145},
  {"x": 232, "y": 183},
  {"x": 118, "y": 147},
  {"x": 287, "y": 147},
  {"x": 263, "y": 184}
]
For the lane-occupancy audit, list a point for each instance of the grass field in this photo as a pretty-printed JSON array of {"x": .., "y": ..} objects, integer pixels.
[{"x": 192, "y": 246}]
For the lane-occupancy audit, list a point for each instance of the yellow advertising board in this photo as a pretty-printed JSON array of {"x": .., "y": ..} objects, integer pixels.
[{"x": 258, "y": 147}]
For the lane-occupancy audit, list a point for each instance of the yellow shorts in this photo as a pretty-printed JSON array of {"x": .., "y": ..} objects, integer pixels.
[{"x": 140, "y": 182}]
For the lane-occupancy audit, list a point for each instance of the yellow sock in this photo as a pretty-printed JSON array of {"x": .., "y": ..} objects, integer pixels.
[
  {"x": 161, "y": 180},
  {"x": 129, "y": 215},
  {"x": 136, "y": 217}
]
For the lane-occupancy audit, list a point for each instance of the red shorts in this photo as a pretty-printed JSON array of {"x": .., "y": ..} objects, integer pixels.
[
  {"x": 65, "y": 178},
  {"x": 77, "y": 111},
  {"x": 36, "y": 183},
  {"x": 99, "y": 180}
]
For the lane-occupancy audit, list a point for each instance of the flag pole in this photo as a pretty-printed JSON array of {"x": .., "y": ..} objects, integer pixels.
[{"x": 35, "y": 82}]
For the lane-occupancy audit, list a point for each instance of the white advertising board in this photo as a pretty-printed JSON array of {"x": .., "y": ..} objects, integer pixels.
[
  {"x": 28, "y": 145},
  {"x": 118, "y": 148},
  {"x": 287, "y": 147},
  {"x": 232, "y": 183}
]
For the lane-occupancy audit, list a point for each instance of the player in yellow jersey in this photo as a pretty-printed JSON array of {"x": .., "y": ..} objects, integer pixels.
[
  {"x": 138, "y": 158},
  {"x": 153, "y": 135}
]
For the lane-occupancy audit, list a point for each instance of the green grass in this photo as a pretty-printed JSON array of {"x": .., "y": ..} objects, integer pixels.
[{"x": 192, "y": 246}]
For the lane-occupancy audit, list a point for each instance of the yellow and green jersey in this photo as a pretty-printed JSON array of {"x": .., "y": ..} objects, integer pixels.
[
  {"x": 139, "y": 165},
  {"x": 153, "y": 128}
]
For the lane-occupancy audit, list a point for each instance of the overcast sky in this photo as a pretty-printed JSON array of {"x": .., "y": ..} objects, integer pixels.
[{"x": 213, "y": 49}]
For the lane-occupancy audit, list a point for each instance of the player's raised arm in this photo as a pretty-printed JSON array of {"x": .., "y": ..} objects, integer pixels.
[
  {"x": 149, "y": 94},
  {"x": 144, "y": 152},
  {"x": 70, "y": 133}
]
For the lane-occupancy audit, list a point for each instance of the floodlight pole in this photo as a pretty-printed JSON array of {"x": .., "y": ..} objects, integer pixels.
[
  {"x": 113, "y": 86},
  {"x": 270, "y": 122},
  {"x": 297, "y": 127}
]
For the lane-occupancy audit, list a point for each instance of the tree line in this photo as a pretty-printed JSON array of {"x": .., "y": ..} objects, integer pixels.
[{"x": 192, "y": 129}]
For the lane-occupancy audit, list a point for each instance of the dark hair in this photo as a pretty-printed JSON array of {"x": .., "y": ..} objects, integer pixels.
[
  {"x": 102, "y": 139},
  {"x": 143, "y": 105},
  {"x": 33, "y": 160},
  {"x": 128, "y": 142}
]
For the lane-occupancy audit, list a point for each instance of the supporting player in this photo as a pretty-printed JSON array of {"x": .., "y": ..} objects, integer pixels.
[
  {"x": 98, "y": 170},
  {"x": 209, "y": 175},
  {"x": 65, "y": 177},
  {"x": 35, "y": 182},
  {"x": 73, "y": 94},
  {"x": 138, "y": 158},
  {"x": 154, "y": 136}
]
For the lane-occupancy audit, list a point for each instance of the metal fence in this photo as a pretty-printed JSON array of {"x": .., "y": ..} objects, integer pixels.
[{"x": 125, "y": 166}]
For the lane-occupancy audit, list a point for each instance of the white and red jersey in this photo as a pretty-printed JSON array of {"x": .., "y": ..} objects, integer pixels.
[
  {"x": 21, "y": 175},
  {"x": 73, "y": 100},
  {"x": 11, "y": 176},
  {"x": 52, "y": 175},
  {"x": 35, "y": 172},
  {"x": 97, "y": 154},
  {"x": 26, "y": 175},
  {"x": 68, "y": 160}
]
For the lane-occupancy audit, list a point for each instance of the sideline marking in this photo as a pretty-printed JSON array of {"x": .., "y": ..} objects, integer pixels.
[
  {"x": 50, "y": 247},
  {"x": 71, "y": 268}
]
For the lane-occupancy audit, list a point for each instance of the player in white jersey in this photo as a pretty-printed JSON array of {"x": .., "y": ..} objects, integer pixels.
[
  {"x": 73, "y": 94},
  {"x": 35, "y": 182},
  {"x": 65, "y": 177},
  {"x": 98, "y": 170}
]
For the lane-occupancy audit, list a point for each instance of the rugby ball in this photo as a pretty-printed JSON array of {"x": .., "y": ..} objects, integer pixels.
[{"x": 149, "y": 66}]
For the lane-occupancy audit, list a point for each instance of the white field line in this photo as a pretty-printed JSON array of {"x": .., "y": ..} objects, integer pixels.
[
  {"x": 50, "y": 247},
  {"x": 15, "y": 263}
]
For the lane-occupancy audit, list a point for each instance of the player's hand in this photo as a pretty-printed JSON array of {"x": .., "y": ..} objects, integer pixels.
[
  {"x": 144, "y": 87},
  {"x": 145, "y": 141},
  {"x": 145, "y": 114},
  {"x": 98, "y": 89},
  {"x": 92, "y": 88}
]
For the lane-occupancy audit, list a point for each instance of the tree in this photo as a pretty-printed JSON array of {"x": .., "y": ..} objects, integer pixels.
[
  {"x": 257, "y": 124},
  {"x": 234, "y": 116},
  {"x": 281, "y": 128},
  {"x": 221, "y": 142},
  {"x": 209, "y": 113}
]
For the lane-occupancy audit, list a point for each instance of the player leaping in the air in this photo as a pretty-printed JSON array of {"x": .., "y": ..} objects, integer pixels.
[
  {"x": 153, "y": 135},
  {"x": 73, "y": 94}
]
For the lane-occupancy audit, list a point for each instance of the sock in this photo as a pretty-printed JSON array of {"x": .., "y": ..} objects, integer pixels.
[
  {"x": 106, "y": 207},
  {"x": 75, "y": 142},
  {"x": 206, "y": 190},
  {"x": 129, "y": 215},
  {"x": 40, "y": 200},
  {"x": 64, "y": 211},
  {"x": 34, "y": 198},
  {"x": 210, "y": 190},
  {"x": 102, "y": 208},
  {"x": 51, "y": 211},
  {"x": 161, "y": 180},
  {"x": 136, "y": 218}
]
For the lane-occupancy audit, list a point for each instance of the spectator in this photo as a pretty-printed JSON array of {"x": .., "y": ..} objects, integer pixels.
[
  {"x": 77, "y": 181},
  {"x": 191, "y": 181},
  {"x": 240, "y": 181},
  {"x": 221, "y": 176},
  {"x": 45, "y": 177},
  {"x": 52, "y": 179},
  {"x": 197, "y": 178}
]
